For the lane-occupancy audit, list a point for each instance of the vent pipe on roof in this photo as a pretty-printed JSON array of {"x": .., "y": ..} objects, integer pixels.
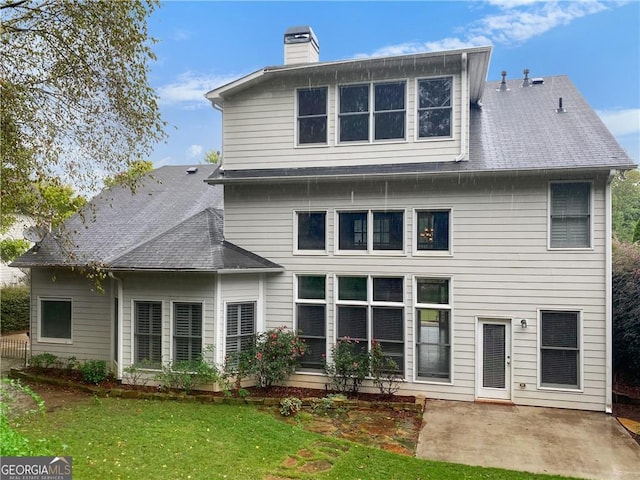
[
  {"x": 503, "y": 83},
  {"x": 525, "y": 80},
  {"x": 300, "y": 46},
  {"x": 560, "y": 108}
]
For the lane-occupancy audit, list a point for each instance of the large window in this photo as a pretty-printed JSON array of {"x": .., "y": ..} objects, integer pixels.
[
  {"x": 55, "y": 320},
  {"x": 381, "y": 105},
  {"x": 560, "y": 349},
  {"x": 187, "y": 331},
  {"x": 434, "y": 107},
  {"x": 311, "y": 228},
  {"x": 148, "y": 333},
  {"x": 372, "y": 308},
  {"x": 241, "y": 330},
  {"x": 433, "y": 329},
  {"x": 432, "y": 230},
  {"x": 570, "y": 212},
  {"x": 387, "y": 232},
  {"x": 312, "y": 115},
  {"x": 311, "y": 319}
]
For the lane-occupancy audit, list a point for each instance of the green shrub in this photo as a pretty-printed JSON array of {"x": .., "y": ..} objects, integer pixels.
[
  {"x": 290, "y": 406},
  {"x": 14, "y": 309},
  {"x": 44, "y": 360},
  {"x": 626, "y": 310},
  {"x": 349, "y": 365},
  {"x": 93, "y": 371},
  {"x": 276, "y": 355},
  {"x": 384, "y": 370},
  {"x": 187, "y": 375}
]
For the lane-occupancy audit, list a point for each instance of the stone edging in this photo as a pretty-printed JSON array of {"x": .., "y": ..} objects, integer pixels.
[{"x": 418, "y": 406}]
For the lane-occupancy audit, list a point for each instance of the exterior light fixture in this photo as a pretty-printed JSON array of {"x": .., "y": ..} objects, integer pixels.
[{"x": 523, "y": 322}]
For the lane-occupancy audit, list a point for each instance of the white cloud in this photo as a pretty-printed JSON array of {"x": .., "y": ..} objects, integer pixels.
[
  {"x": 622, "y": 122},
  {"x": 194, "y": 151},
  {"x": 189, "y": 88},
  {"x": 517, "y": 21}
]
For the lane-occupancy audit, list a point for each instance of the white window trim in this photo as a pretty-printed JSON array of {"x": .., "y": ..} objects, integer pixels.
[
  {"x": 172, "y": 324},
  {"x": 307, "y": 301},
  {"x": 370, "y": 304},
  {"x": 414, "y": 233},
  {"x": 580, "y": 313},
  {"x": 258, "y": 327},
  {"x": 417, "y": 137},
  {"x": 370, "y": 250},
  {"x": 133, "y": 331},
  {"x": 295, "y": 118},
  {"x": 41, "y": 339},
  {"x": 438, "y": 306},
  {"x": 296, "y": 250},
  {"x": 591, "y": 217},
  {"x": 371, "y": 112}
]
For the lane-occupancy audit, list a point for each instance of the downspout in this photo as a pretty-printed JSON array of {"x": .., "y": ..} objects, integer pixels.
[
  {"x": 464, "y": 108},
  {"x": 608, "y": 296},
  {"x": 119, "y": 314}
]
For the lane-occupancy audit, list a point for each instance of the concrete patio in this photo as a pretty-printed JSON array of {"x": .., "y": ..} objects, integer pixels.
[{"x": 542, "y": 440}]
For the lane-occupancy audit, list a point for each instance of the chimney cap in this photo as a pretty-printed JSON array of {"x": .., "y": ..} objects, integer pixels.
[{"x": 300, "y": 34}]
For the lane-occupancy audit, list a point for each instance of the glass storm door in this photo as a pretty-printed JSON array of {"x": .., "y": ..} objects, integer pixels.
[{"x": 494, "y": 359}]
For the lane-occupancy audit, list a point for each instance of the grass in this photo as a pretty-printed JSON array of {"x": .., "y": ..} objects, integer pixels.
[{"x": 118, "y": 438}]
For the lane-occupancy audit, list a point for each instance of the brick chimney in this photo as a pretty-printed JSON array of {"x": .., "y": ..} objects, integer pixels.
[{"x": 300, "y": 46}]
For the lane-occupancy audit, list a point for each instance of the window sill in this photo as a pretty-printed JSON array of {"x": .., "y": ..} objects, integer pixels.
[
  {"x": 312, "y": 145},
  {"x": 62, "y": 341},
  {"x": 434, "y": 139},
  {"x": 570, "y": 249},
  {"x": 372, "y": 142},
  {"x": 561, "y": 389},
  {"x": 316, "y": 253},
  {"x": 432, "y": 253},
  {"x": 378, "y": 253},
  {"x": 424, "y": 381}
]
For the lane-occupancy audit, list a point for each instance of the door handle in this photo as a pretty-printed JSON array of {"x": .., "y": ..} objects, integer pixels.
[{"x": 508, "y": 360}]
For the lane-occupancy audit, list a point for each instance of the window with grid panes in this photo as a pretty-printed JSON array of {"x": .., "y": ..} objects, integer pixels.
[
  {"x": 387, "y": 234},
  {"x": 311, "y": 319},
  {"x": 148, "y": 333},
  {"x": 433, "y": 329},
  {"x": 570, "y": 215},
  {"x": 377, "y": 313},
  {"x": 187, "y": 331},
  {"x": 241, "y": 330},
  {"x": 312, "y": 116}
]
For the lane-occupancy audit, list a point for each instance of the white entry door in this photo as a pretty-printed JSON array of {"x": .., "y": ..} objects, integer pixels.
[{"x": 494, "y": 359}]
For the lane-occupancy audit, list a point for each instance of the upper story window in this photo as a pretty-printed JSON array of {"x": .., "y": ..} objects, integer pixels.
[
  {"x": 570, "y": 215},
  {"x": 387, "y": 232},
  {"x": 435, "y": 107},
  {"x": 432, "y": 230},
  {"x": 379, "y": 108},
  {"x": 311, "y": 231},
  {"x": 312, "y": 115}
]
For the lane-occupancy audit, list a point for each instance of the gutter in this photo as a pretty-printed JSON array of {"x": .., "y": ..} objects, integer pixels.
[
  {"x": 119, "y": 315},
  {"x": 608, "y": 295}
]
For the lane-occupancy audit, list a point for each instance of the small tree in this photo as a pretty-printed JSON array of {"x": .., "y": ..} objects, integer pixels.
[
  {"x": 349, "y": 365},
  {"x": 277, "y": 353}
]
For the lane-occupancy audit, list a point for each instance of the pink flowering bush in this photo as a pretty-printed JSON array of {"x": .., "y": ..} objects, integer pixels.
[
  {"x": 349, "y": 365},
  {"x": 277, "y": 353}
]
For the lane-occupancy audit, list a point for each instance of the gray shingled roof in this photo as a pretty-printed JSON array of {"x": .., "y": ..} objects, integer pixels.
[
  {"x": 514, "y": 130},
  {"x": 173, "y": 221}
]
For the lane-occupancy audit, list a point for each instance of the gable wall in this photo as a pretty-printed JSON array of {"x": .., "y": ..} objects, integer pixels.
[
  {"x": 259, "y": 126},
  {"x": 500, "y": 267}
]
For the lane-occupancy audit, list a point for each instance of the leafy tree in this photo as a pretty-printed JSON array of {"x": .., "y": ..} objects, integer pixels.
[
  {"x": 636, "y": 233},
  {"x": 212, "y": 156},
  {"x": 76, "y": 103},
  {"x": 11, "y": 248},
  {"x": 129, "y": 177},
  {"x": 625, "y": 199}
]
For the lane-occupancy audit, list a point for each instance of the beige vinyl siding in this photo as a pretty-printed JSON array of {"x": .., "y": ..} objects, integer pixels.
[
  {"x": 91, "y": 314},
  {"x": 167, "y": 287},
  {"x": 500, "y": 267},
  {"x": 260, "y": 126}
]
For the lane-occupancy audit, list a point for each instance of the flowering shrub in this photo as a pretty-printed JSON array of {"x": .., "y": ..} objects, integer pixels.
[
  {"x": 384, "y": 370},
  {"x": 276, "y": 354},
  {"x": 349, "y": 366},
  {"x": 290, "y": 406}
]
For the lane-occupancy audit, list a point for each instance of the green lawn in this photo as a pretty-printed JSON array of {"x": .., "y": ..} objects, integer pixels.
[{"x": 137, "y": 439}]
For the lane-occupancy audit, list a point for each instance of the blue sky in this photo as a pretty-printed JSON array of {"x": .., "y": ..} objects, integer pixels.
[{"x": 202, "y": 45}]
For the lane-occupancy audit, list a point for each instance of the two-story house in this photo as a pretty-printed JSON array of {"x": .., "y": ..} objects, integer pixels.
[{"x": 463, "y": 224}]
